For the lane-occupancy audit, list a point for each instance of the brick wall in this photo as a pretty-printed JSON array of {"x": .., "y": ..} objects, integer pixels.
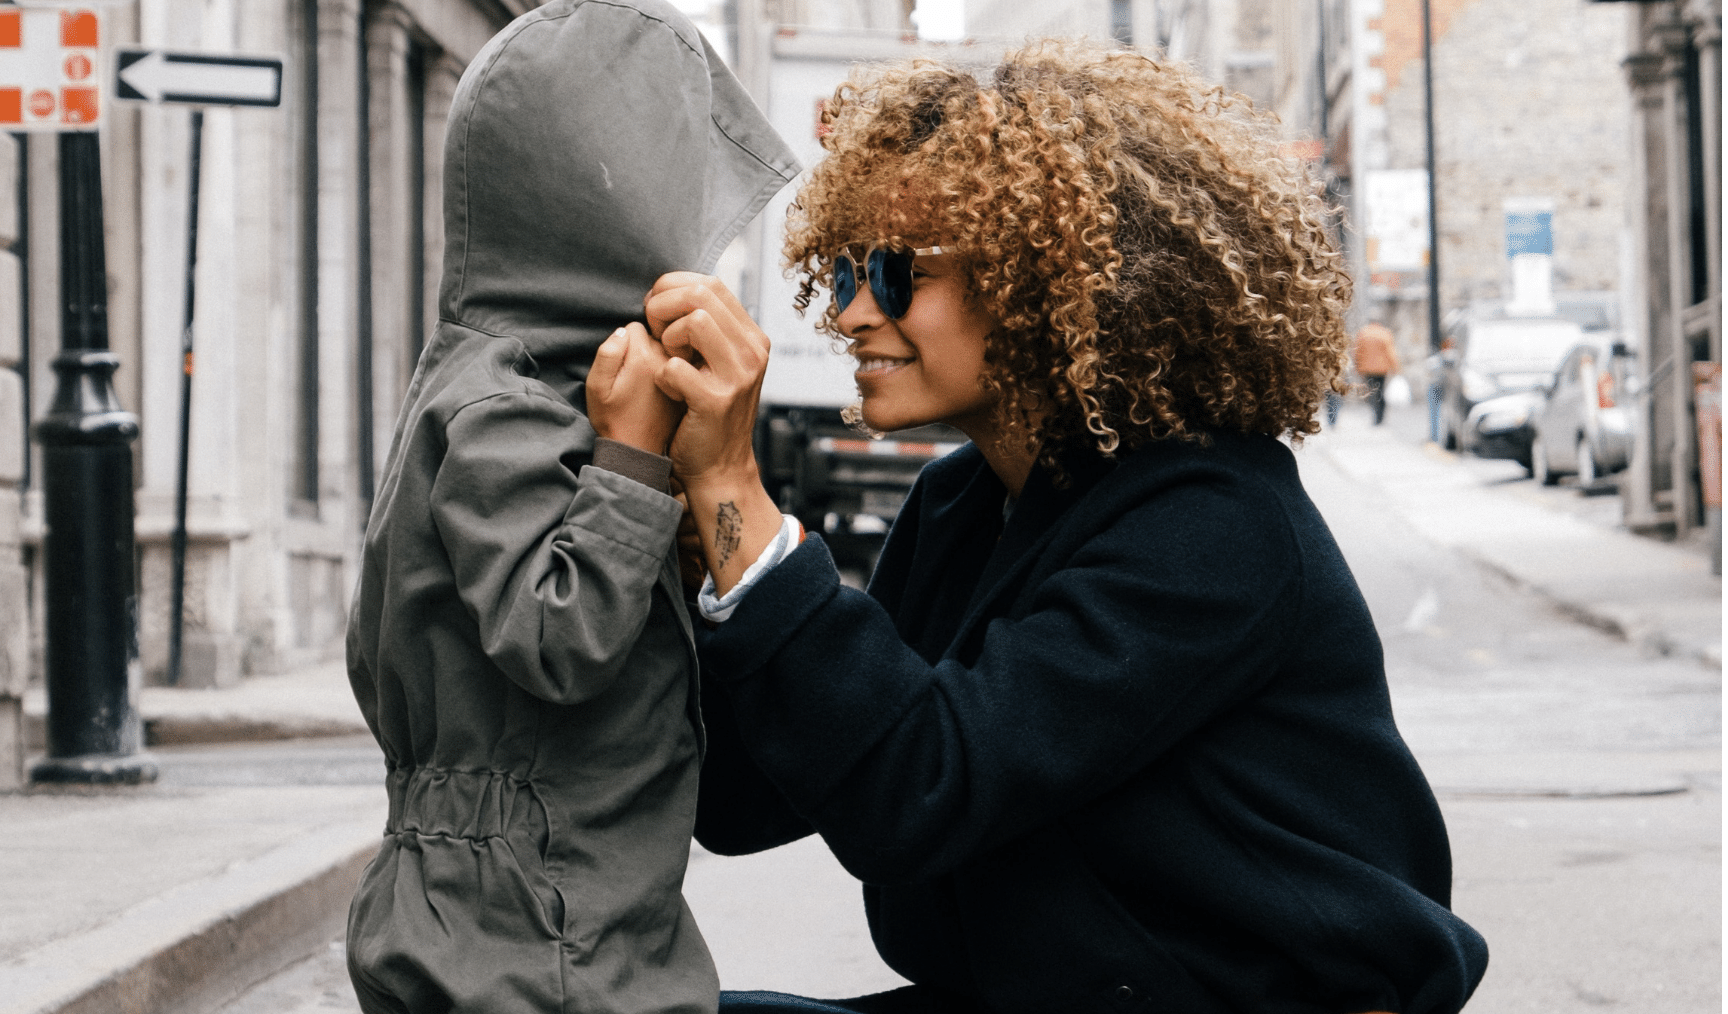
[{"x": 1529, "y": 101}]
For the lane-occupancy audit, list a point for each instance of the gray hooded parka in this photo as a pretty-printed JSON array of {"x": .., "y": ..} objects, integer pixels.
[{"x": 518, "y": 642}]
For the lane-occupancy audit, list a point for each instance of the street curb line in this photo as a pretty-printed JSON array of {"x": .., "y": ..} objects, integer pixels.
[
  {"x": 1655, "y": 641},
  {"x": 1649, "y": 637},
  {"x": 184, "y": 730},
  {"x": 193, "y": 948}
]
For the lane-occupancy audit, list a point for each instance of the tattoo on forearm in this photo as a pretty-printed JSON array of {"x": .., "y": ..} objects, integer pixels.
[{"x": 728, "y": 529}]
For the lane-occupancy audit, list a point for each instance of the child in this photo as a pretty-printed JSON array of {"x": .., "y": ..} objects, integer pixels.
[
  {"x": 1110, "y": 729},
  {"x": 518, "y": 642}
]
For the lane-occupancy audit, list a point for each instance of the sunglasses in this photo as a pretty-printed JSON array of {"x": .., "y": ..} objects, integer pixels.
[{"x": 887, "y": 272}]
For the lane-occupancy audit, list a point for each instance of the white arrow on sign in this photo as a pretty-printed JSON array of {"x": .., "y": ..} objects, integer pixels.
[{"x": 149, "y": 75}]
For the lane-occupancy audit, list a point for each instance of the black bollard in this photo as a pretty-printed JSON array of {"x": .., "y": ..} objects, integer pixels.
[{"x": 94, "y": 732}]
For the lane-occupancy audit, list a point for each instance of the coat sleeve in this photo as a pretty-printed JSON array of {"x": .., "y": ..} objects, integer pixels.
[
  {"x": 554, "y": 558},
  {"x": 738, "y": 810},
  {"x": 1149, "y": 628}
]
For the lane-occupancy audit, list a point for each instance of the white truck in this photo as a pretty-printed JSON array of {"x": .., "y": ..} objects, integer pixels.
[{"x": 834, "y": 479}]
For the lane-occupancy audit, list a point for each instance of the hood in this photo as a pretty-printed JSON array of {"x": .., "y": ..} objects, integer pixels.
[{"x": 593, "y": 146}]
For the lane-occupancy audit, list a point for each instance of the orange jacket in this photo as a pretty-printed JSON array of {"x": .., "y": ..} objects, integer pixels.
[{"x": 1374, "y": 353}]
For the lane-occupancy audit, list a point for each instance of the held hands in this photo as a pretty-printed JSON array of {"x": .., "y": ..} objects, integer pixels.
[
  {"x": 624, "y": 402},
  {"x": 717, "y": 357}
]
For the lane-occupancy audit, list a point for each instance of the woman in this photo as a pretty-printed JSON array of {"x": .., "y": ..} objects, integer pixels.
[{"x": 1110, "y": 730}]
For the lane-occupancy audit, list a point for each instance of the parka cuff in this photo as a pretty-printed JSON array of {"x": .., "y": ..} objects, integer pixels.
[{"x": 649, "y": 469}]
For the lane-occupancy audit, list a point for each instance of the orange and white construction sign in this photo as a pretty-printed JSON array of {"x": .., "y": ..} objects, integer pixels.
[{"x": 49, "y": 62}]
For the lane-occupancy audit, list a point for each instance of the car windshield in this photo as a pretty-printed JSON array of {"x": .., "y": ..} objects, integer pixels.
[{"x": 1526, "y": 345}]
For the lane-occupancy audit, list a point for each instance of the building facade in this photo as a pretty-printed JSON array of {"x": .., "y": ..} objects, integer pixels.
[
  {"x": 1674, "y": 76},
  {"x": 1528, "y": 104},
  {"x": 320, "y": 248},
  {"x": 1231, "y": 42},
  {"x": 14, "y": 585}
]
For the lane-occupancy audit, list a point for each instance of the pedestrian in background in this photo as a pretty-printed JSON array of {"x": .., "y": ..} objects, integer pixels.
[
  {"x": 1110, "y": 729},
  {"x": 1376, "y": 359},
  {"x": 519, "y": 643}
]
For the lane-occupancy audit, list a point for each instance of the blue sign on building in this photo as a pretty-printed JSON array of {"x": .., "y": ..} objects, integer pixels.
[{"x": 1529, "y": 232}]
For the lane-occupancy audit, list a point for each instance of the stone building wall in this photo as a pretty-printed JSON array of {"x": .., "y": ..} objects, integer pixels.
[
  {"x": 14, "y": 601},
  {"x": 1530, "y": 101}
]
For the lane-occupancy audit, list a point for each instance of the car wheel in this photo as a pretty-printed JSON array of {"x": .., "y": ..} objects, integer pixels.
[
  {"x": 1586, "y": 463},
  {"x": 1539, "y": 469}
]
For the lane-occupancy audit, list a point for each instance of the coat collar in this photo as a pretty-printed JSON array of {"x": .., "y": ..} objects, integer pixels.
[{"x": 1030, "y": 526}]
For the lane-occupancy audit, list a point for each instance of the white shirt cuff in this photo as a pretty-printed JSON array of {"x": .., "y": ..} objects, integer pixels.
[{"x": 718, "y": 609}]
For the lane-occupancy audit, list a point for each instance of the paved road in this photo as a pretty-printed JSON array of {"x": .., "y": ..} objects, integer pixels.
[{"x": 1580, "y": 780}]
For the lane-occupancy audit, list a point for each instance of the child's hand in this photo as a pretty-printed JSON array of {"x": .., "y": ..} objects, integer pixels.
[
  {"x": 624, "y": 403},
  {"x": 718, "y": 358}
]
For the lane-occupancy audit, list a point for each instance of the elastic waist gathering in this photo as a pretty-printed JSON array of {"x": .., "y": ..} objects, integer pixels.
[{"x": 460, "y": 804}]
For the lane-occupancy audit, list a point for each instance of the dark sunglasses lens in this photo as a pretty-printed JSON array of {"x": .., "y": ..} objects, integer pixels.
[
  {"x": 891, "y": 282},
  {"x": 845, "y": 282}
]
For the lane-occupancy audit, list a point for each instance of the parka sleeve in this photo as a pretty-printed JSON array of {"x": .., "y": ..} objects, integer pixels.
[
  {"x": 1150, "y": 628},
  {"x": 555, "y": 558}
]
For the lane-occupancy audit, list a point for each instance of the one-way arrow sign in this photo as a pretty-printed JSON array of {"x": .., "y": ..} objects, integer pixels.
[{"x": 152, "y": 75}]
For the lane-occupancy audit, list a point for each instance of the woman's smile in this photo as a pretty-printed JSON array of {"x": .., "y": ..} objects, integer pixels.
[{"x": 878, "y": 366}]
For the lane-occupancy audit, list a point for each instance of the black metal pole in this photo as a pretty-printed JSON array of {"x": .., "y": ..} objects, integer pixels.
[
  {"x": 94, "y": 732},
  {"x": 177, "y": 607},
  {"x": 1433, "y": 180}
]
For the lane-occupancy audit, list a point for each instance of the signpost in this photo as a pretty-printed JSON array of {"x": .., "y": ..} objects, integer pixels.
[
  {"x": 48, "y": 61},
  {"x": 48, "y": 82},
  {"x": 197, "y": 79},
  {"x": 149, "y": 75},
  {"x": 1530, "y": 250}
]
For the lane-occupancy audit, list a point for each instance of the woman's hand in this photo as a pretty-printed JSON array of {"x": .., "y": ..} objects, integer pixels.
[
  {"x": 718, "y": 357},
  {"x": 624, "y": 401}
]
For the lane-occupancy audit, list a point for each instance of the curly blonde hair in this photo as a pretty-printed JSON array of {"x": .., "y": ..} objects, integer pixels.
[{"x": 1155, "y": 268}]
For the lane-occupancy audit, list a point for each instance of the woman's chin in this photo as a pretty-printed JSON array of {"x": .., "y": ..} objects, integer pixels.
[{"x": 883, "y": 418}]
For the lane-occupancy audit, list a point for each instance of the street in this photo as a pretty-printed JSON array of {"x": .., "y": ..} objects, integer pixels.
[{"x": 1580, "y": 778}]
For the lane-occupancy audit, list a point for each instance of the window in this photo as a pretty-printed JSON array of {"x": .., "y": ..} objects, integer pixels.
[
  {"x": 1122, "y": 22},
  {"x": 1698, "y": 234}
]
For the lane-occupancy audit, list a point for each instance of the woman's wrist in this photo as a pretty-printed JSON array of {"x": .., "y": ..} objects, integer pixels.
[{"x": 737, "y": 520}]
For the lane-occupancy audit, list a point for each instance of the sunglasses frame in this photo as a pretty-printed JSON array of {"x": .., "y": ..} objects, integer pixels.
[{"x": 872, "y": 266}]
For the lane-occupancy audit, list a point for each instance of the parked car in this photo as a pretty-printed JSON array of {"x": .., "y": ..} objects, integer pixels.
[
  {"x": 1503, "y": 427},
  {"x": 1580, "y": 428},
  {"x": 1487, "y": 357}
]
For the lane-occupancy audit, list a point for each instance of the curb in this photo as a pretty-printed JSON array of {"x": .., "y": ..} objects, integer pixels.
[
  {"x": 1646, "y": 637},
  {"x": 193, "y": 948},
  {"x": 187, "y": 730},
  {"x": 1640, "y": 623}
]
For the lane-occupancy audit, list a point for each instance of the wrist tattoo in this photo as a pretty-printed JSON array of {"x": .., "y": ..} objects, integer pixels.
[{"x": 728, "y": 530}]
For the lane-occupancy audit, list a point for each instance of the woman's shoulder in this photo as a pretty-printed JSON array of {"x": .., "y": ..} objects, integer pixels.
[
  {"x": 1226, "y": 463},
  {"x": 1231, "y": 491}
]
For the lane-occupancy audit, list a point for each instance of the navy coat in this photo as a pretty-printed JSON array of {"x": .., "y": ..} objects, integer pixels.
[{"x": 1131, "y": 750}]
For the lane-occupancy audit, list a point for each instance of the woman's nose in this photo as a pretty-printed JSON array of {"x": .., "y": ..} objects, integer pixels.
[{"x": 861, "y": 314}]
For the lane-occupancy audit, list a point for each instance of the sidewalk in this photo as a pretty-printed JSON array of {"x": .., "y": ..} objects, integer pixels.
[
  {"x": 172, "y": 898},
  {"x": 312, "y": 702},
  {"x": 128, "y": 899},
  {"x": 1657, "y": 596}
]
